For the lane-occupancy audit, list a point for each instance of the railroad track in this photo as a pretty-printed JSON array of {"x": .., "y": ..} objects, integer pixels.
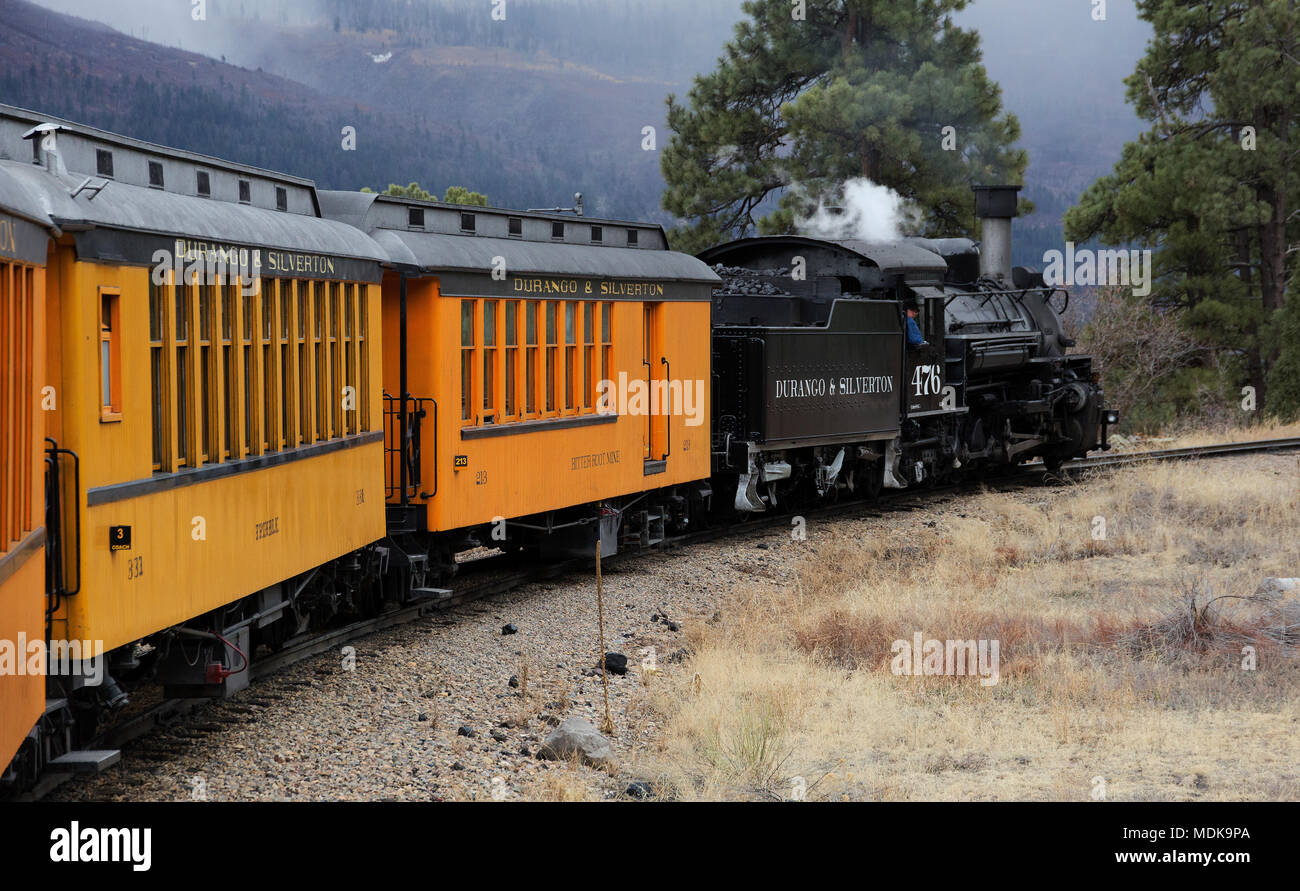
[
  {"x": 480, "y": 582},
  {"x": 1210, "y": 451}
]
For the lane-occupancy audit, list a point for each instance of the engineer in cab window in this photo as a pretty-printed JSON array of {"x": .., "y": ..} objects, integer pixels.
[{"x": 914, "y": 338}]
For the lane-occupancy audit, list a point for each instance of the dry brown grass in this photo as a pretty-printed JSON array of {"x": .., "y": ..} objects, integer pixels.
[
  {"x": 1121, "y": 657},
  {"x": 563, "y": 783},
  {"x": 1263, "y": 428}
]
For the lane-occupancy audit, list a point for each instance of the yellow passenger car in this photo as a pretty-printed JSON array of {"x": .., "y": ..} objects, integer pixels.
[
  {"x": 215, "y": 347},
  {"x": 556, "y": 370},
  {"x": 24, "y": 243}
]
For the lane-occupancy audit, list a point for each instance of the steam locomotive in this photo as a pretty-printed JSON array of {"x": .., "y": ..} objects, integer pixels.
[{"x": 817, "y": 391}]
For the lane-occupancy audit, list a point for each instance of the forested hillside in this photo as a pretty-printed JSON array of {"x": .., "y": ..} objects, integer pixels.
[{"x": 583, "y": 132}]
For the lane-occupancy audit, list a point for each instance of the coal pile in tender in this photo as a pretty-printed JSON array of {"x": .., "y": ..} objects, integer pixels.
[{"x": 740, "y": 280}]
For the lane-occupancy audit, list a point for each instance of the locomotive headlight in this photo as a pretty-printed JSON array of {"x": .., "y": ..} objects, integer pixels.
[{"x": 1112, "y": 417}]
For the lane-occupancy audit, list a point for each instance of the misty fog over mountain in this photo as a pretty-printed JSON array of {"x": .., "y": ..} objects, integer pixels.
[{"x": 551, "y": 101}]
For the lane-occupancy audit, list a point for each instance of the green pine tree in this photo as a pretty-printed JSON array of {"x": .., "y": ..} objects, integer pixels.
[
  {"x": 1212, "y": 188},
  {"x": 1284, "y": 375},
  {"x": 453, "y": 195},
  {"x": 855, "y": 88},
  {"x": 462, "y": 195},
  {"x": 408, "y": 191}
]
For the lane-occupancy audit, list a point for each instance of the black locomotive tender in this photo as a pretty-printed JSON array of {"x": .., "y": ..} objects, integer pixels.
[{"x": 815, "y": 389}]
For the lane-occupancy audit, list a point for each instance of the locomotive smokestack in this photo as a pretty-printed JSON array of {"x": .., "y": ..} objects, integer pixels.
[{"x": 995, "y": 206}]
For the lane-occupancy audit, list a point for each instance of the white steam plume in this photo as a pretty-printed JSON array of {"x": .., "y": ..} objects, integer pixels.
[{"x": 859, "y": 209}]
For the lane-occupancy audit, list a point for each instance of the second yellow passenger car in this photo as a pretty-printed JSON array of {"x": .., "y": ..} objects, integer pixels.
[{"x": 556, "y": 377}]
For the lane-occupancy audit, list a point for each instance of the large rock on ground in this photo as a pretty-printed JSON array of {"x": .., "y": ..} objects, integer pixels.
[
  {"x": 577, "y": 736},
  {"x": 1278, "y": 587},
  {"x": 615, "y": 663}
]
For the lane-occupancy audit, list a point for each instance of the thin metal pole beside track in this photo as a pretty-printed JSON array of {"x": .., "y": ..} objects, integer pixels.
[{"x": 608, "y": 725}]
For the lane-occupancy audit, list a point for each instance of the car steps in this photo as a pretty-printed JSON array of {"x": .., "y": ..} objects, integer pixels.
[
  {"x": 86, "y": 760},
  {"x": 430, "y": 595}
]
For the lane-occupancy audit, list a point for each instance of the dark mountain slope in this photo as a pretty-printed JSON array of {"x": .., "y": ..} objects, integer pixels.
[{"x": 522, "y": 136}]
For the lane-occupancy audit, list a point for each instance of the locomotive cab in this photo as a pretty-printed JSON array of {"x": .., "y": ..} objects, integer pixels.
[
  {"x": 933, "y": 394},
  {"x": 926, "y": 371}
]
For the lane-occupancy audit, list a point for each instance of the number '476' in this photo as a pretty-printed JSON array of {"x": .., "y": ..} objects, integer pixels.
[{"x": 926, "y": 380}]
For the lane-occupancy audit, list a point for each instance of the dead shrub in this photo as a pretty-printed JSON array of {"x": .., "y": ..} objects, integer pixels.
[
  {"x": 848, "y": 640},
  {"x": 853, "y": 641},
  {"x": 1199, "y": 624}
]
